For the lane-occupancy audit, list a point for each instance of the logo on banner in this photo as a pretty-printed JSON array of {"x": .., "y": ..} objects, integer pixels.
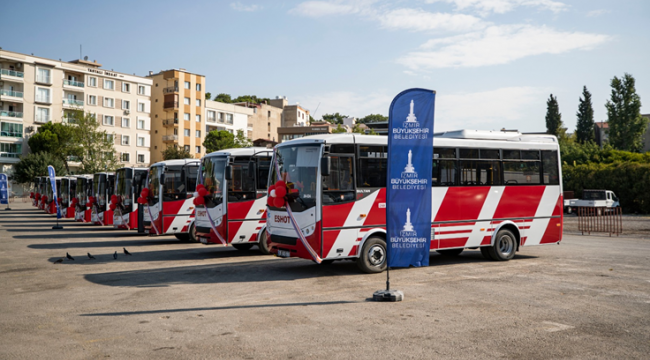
[
  {"x": 411, "y": 129},
  {"x": 408, "y": 237},
  {"x": 409, "y": 179}
]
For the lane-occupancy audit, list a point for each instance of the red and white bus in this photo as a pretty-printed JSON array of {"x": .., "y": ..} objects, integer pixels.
[
  {"x": 170, "y": 208},
  {"x": 84, "y": 190},
  {"x": 103, "y": 187},
  {"x": 36, "y": 194},
  {"x": 40, "y": 192},
  {"x": 68, "y": 193},
  {"x": 239, "y": 217},
  {"x": 50, "y": 206},
  {"x": 496, "y": 191},
  {"x": 128, "y": 185}
]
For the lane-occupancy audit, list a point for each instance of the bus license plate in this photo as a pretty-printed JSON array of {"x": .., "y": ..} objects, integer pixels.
[
  {"x": 203, "y": 240},
  {"x": 284, "y": 253}
]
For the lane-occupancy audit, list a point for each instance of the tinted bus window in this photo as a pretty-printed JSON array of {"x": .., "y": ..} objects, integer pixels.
[
  {"x": 550, "y": 164},
  {"x": 242, "y": 187},
  {"x": 490, "y": 154},
  {"x": 530, "y": 155},
  {"x": 339, "y": 185},
  {"x": 263, "y": 166},
  {"x": 474, "y": 172},
  {"x": 372, "y": 172},
  {"x": 511, "y": 155},
  {"x": 468, "y": 153},
  {"x": 191, "y": 173},
  {"x": 444, "y": 173},
  {"x": 372, "y": 151},
  {"x": 521, "y": 172},
  {"x": 444, "y": 153}
]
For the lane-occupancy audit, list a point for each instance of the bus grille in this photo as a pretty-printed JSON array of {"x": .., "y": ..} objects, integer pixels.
[{"x": 283, "y": 240}]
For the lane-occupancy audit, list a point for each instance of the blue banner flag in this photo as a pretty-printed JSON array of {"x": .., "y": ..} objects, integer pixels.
[
  {"x": 4, "y": 190},
  {"x": 408, "y": 188},
  {"x": 52, "y": 174}
]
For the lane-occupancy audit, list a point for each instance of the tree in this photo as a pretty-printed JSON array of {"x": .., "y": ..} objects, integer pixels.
[
  {"x": 175, "y": 152},
  {"x": 626, "y": 125},
  {"x": 339, "y": 129},
  {"x": 56, "y": 139},
  {"x": 585, "y": 114},
  {"x": 35, "y": 164},
  {"x": 96, "y": 147},
  {"x": 335, "y": 118},
  {"x": 208, "y": 96},
  {"x": 250, "y": 99},
  {"x": 224, "y": 98},
  {"x": 372, "y": 118},
  {"x": 554, "y": 123},
  {"x": 311, "y": 119},
  {"x": 222, "y": 139},
  {"x": 241, "y": 140}
]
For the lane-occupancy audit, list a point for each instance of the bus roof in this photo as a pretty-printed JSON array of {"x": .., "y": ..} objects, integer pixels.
[
  {"x": 85, "y": 176},
  {"x": 133, "y": 168},
  {"x": 176, "y": 162},
  {"x": 460, "y": 138},
  {"x": 249, "y": 151}
]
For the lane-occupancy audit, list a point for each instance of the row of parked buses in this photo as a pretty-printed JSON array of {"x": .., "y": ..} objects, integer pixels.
[{"x": 493, "y": 191}]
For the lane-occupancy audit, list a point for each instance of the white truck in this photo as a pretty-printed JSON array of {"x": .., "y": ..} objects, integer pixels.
[{"x": 592, "y": 198}]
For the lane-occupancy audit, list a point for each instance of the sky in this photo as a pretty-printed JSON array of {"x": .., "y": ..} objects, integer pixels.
[{"x": 492, "y": 63}]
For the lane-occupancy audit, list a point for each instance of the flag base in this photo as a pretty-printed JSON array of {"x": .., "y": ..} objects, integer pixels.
[
  {"x": 388, "y": 295},
  {"x": 57, "y": 227}
]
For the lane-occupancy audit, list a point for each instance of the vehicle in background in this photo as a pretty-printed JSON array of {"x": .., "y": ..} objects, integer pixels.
[
  {"x": 492, "y": 190},
  {"x": 128, "y": 185},
  {"x": 40, "y": 201},
  {"x": 36, "y": 194},
  {"x": 592, "y": 198},
  {"x": 68, "y": 196},
  {"x": 84, "y": 191},
  {"x": 239, "y": 217},
  {"x": 50, "y": 205},
  {"x": 103, "y": 188},
  {"x": 168, "y": 196}
]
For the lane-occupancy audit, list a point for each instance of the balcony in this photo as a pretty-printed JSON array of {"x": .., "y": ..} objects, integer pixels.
[
  {"x": 170, "y": 138},
  {"x": 170, "y": 105},
  {"x": 69, "y": 119},
  {"x": 170, "y": 122},
  {"x": 10, "y": 157},
  {"x": 11, "y": 95},
  {"x": 76, "y": 85},
  {"x": 11, "y": 75},
  {"x": 14, "y": 134},
  {"x": 42, "y": 119},
  {"x": 11, "y": 114},
  {"x": 170, "y": 90},
  {"x": 73, "y": 103}
]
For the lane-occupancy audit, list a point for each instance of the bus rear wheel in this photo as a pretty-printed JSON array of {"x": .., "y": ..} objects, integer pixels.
[
  {"x": 242, "y": 247},
  {"x": 505, "y": 246},
  {"x": 373, "y": 256},
  {"x": 263, "y": 245}
]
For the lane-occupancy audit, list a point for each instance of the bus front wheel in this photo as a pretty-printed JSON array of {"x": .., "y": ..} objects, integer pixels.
[
  {"x": 373, "y": 256},
  {"x": 263, "y": 245}
]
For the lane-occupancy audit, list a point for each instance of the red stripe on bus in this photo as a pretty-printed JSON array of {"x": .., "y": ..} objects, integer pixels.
[
  {"x": 462, "y": 203},
  {"x": 519, "y": 201}
]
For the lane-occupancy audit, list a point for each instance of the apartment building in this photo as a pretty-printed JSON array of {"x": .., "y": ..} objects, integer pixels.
[
  {"x": 178, "y": 112},
  {"x": 36, "y": 90},
  {"x": 292, "y": 115},
  {"x": 228, "y": 117},
  {"x": 264, "y": 122},
  {"x": 297, "y": 131}
]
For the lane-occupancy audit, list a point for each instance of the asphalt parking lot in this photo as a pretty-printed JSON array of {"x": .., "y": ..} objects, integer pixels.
[{"x": 587, "y": 298}]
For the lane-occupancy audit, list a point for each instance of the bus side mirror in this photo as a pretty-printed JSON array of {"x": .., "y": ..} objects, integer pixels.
[
  {"x": 251, "y": 170},
  {"x": 228, "y": 172},
  {"x": 325, "y": 165}
]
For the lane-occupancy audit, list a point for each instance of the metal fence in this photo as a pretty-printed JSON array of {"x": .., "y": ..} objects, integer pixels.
[{"x": 600, "y": 219}]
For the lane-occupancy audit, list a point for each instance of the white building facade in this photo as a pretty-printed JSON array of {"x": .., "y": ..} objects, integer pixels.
[{"x": 228, "y": 117}]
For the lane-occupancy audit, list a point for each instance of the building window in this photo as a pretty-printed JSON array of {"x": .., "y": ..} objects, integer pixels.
[
  {"x": 109, "y": 84},
  {"x": 140, "y": 141},
  {"x": 198, "y": 149},
  {"x": 198, "y": 118},
  {"x": 126, "y": 122},
  {"x": 229, "y": 118},
  {"x": 141, "y": 91},
  {"x": 141, "y": 107},
  {"x": 187, "y": 84},
  {"x": 198, "y": 87},
  {"x": 211, "y": 116},
  {"x": 126, "y": 87},
  {"x": 186, "y": 117},
  {"x": 141, "y": 158},
  {"x": 140, "y": 124},
  {"x": 108, "y": 102},
  {"x": 198, "y": 133},
  {"x": 11, "y": 130},
  {"x": 186, "y": 132},
  {"x": 198, "y": 102},
  {"x": 92, "y": 81},
  {"x": 108, "y": 137},
  {"x": 109, "y": 120},
  {"x": 186, "y": 148},
  {"x": 43, "y": 95},
  {"x": 126, "y": 105},
  {"x": 42, "y": 115},
  {"x": 92, "y": 100},
  {"x": 175, "y": 131},
  {"x": 126, "y": 157},
  {"x": 186, "y": 101},
  {"x": 43, "y": 76},
  {"x": 125, "y": 140}
]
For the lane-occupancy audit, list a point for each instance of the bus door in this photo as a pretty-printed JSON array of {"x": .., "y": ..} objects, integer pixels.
[
  {"x": 244, "y": 207},
  {"x": 213, "y": 176},
  {"x": 342, "y": 221},
  {"x": 179, "y": 185},
  {"x": 153, "y": 210}
]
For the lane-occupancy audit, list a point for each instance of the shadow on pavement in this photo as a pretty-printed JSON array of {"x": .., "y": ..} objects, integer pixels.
[
  {"x": 235, "y": 307},
  {"x": 100, "y": 244},
  {"x": 197, "y": 253},
  {"x": 82, "y": 235}
]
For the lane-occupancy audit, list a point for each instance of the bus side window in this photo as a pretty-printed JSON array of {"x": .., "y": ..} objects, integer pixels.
[
  {"x": 339, "y": 185},
  {"x": 550, "y": 166}
]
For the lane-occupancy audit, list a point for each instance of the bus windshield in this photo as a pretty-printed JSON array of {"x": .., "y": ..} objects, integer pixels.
[
  {"x": 99, "y": 181},
  {"x": 81, "y": 190},
  {"x": 123, "y": 185},
  {"x": 242, "y": 187},
  {"x": 298, "y": 167},
  {"x": 212, "y": 172}
]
